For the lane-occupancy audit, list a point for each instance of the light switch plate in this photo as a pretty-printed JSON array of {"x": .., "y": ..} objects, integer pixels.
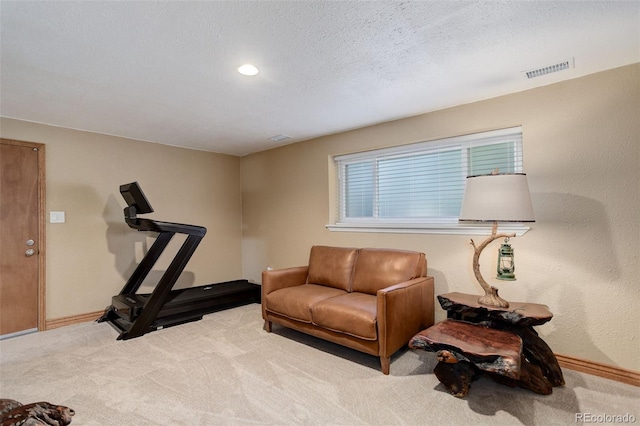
[{"x": 56, "y": 217}]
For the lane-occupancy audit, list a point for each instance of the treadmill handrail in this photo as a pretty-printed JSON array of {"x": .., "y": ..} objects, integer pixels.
[{"x": 158, "y": 226}]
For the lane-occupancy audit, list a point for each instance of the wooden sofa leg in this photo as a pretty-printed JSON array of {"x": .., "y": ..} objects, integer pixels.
[
  {"x": 385, "y": 362},
  {"x": 267, "y": 325}
]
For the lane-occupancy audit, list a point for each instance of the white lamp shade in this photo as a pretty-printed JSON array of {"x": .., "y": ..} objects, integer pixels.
[{"x": 497, "y": 198}]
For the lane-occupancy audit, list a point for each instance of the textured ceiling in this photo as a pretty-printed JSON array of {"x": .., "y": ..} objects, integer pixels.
[{"x": 166, "y": 71}]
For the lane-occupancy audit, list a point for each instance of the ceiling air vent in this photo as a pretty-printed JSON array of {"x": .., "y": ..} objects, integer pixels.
[{"x": 549, "y": 69}]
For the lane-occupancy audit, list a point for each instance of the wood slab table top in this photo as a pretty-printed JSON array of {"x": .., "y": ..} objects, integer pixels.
[
  {"x": 518, "y": 313},
  {"x": 489, "y": 349}
]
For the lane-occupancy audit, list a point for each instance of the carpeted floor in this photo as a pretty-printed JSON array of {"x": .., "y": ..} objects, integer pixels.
[{"x": 226, "y": 370}]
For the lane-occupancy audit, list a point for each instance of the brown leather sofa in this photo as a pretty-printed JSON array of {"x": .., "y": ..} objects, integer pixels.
[{"x": 371, "y": 300}]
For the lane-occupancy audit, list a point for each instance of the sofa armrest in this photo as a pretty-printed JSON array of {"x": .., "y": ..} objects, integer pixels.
[
  {"x": 280, "y": 278},
  {"x": 403, "y": 310}
]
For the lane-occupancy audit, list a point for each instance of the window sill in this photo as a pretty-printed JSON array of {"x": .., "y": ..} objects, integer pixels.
[{"x": 430, "y": 228}]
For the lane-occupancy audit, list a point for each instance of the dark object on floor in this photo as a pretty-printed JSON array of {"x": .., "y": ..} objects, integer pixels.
[{"x": 14, "y": 413}]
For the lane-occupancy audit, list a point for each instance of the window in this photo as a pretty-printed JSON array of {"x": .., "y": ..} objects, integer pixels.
[{"x": 419, "y": 185}]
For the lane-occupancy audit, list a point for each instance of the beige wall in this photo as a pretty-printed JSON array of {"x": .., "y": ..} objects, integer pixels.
[
  {"x": 91, "y": 255},
  {"x": 581, "y": 257}
]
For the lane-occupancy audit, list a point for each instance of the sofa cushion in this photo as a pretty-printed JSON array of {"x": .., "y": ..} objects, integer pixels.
[
  {"x": 332, "y": 266},
  {"x": 353, "y": 314},
  {"x": 295, "y": 302},
  {"x": 380, "y": 268}
]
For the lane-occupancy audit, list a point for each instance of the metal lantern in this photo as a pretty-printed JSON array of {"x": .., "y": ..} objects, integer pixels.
[{"x": 506, "y": 266}]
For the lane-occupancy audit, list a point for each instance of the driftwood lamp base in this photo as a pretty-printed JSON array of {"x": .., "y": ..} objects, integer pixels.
[{"x": 490, "y": 297}]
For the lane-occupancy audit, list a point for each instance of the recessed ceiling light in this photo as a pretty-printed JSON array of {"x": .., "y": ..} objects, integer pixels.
[
  {"x": 279, "y": 138},
  {"x": 248, "y": 69}
]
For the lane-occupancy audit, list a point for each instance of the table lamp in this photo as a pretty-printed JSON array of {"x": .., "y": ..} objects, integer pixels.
[{"x": 496, "y": 198}]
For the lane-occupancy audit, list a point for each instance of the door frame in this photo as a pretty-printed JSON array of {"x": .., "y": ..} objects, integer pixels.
[{"x": 42, "y": 227}]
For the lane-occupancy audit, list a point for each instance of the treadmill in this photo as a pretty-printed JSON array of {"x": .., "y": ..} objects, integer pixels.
[{"x": 134, "y": 315}]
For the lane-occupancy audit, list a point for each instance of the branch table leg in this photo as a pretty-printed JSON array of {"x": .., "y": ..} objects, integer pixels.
[{"x": 455, "y": 375}]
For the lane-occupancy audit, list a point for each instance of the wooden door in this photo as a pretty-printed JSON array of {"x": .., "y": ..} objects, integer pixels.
[{"x": 21, "y": 237}]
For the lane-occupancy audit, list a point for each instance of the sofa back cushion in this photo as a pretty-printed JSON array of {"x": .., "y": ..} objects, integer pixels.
[
  {"x": 332, "y": 266},
  {"x": 380, "y": 268}
]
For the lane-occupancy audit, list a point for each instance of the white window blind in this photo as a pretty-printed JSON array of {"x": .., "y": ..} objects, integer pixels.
[{"x": 422, "y": 182}]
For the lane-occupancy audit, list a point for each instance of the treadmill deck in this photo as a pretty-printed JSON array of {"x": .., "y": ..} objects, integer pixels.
[{"x": 184, "y": 305}]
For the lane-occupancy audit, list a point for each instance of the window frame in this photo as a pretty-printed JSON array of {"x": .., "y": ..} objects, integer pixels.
[{"x": 441, "y": 225}]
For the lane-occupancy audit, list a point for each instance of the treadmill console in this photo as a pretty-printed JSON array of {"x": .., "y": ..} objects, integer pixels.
[{"x": 136, "y": 200}]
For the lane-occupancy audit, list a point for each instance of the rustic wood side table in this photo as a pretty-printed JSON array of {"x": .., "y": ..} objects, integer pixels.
[{"x": 499, "y": 341}]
